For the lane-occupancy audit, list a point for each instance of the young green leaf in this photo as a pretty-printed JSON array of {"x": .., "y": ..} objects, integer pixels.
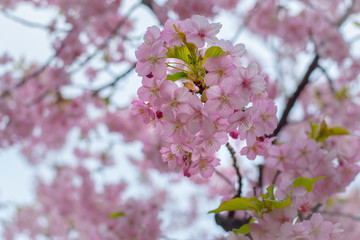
[
  {"x": 213, "y": 51},
  {"x": 116, "y": 214},
  {"x": 320, "y": 134},
  {"x": 176, "y": 76},
  {"x": 181, "y": 53},
  {"x": 244, "y": 229},
  {"x": 237, "y": 204},
  {"x": 308, "y": 183}
]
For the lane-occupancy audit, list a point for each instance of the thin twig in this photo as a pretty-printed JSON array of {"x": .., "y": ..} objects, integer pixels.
[
  {"x": 29, "y": 23},
  {"x": 106, "y": 42},
  {"x": 346, "y": 15},
  {"x": 330, "y": 81},
  {"x": 275, "y": 177},
  {"x": 223, "y": 177},
  {"x": 245, "y": 23},
  {"x": 33, "y": 74},
  {"x": 96, "y": 92},
  {"x": 260, "y": 182},
  {"x": 232, "y": 153},
  {"x": 313, "y": 210},
  {"x": 41, "y": 69},
  {"x": 356, "y": 218}
]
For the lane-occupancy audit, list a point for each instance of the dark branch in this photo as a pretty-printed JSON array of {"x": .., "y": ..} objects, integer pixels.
[
  {"x": 223, "y": 177},
  {"x": 329, "y": 79},
  {"x": 338, "y": 214},
  {"x": 41, "y": 69},
  {"x": 229, "y": 224},
  {"x": 313, "y": 210},
  {"x": 292, "y": 100},
  {"x": 29, "y": 23},
  {"x": 232, "y": 152},
  {"x": 117, "y": 79},
  {"x": 346, "y": 15},
  {"x": 106, "y": 42}
]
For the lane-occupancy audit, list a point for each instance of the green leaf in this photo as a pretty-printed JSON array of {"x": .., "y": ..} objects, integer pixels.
[
  {"x": 306, "y": 182},
  {"x": 269, "y": 201},
  {"x": 272, "y": 204},
  {"x": 177, "y": 76},
  {"x": 270, "y": 193},
  {"x": 314, "y": 128},
  {"x": 259, "y": 206},
  {"x": 237, "y": 204},
  {"x": 116, "y": 214},
  {"x": 181, "y": 53},
  {"x": 190, "y": 46},
  {"x": 336, "y": 131},
  {"x": 213, "y": 51},
  {"x": 320, "y": 134},
  {"x": 244, "y": 229}
]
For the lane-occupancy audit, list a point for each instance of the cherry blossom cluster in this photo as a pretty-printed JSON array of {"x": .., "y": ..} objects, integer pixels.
[
  {"x": 278, "y": 225},
  {"x": 70, "y": 207},
  {"x": 316, "y": 22},
  {"x": 196, "y": 93}
]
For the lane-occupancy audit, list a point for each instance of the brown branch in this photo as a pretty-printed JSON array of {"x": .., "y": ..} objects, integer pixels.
[
  {"x": 29, "y": 23},
  {"x": 346, "y": 15},
  {"x": 313, "y": 210},
  {"x": 35, "y": 73},
  {"x": 232, "y": 153},
  {"x": 117, "y": 79},
  {"x": 338, "y": 214},
  {"x": 275, "y": 177},
  {"x": 41, "y": 69},
  {"x": 227, "y": 180},
  {"x": 260, "y": 182},
  {"x": 106, "y": 42},
  {"x": 329, "y": 79},
  {"x": 292, "y": 100}
]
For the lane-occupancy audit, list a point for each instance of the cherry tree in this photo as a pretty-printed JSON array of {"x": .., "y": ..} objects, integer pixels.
[{"x": 270, "y": 142}]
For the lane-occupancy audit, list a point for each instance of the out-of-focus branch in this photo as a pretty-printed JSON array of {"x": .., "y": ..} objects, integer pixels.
[
  {"x": 223, "y": 177},
  {"x": 346, "y": 15},
  {"x": 34, "y": 73},
  {"x": 106, "y": 42},
  {"x": 246, "y": 21},
  {"x": 116, "y": 80},
  {"x": 41, "y": 69},
  {"x": 29, "y": 23},
  {"x": 339, "y": 214},
  {"x": 292, "y": 100},
  {"x": 329, "y": 79}
]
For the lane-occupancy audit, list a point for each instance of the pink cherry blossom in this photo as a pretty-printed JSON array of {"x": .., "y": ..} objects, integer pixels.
[
  {"x": 204, "y": 165},
  {"x": 199, "y": 30}
]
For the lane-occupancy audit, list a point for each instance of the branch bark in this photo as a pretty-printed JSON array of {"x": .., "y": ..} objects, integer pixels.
[{"x": 292, "y": 100}]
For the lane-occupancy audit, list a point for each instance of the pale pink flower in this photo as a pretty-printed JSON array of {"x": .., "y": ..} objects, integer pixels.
[
  {"x": 318, "y": 228},
  {"x": 150, "y": 90},
  {"x": 223, "y": 99},
  {"x": 218, "y": 69},
  {"x": 235, "y": 52},
  {"x": 170, "y": 35},
  {"x": 199, "y": 30},
  {"x": 251, "y": 82},
  {"x": 150, "y": 60},
  {"x": 265, "y": 115},
  {"x": 204, "y": 165},
  {"x": 152, "y": 34},
  {"x": 171, "y": 158},
  {"x": 138, "y": 108}
]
